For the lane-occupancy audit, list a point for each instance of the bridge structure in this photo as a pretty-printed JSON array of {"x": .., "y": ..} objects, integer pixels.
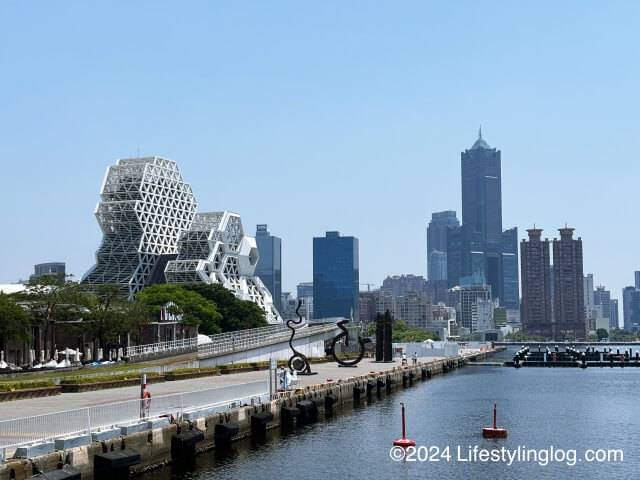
[{"x": 242, "y": 346}]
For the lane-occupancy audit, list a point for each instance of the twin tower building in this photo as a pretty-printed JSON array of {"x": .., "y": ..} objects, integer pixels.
[{"x": 152, "y": 233}]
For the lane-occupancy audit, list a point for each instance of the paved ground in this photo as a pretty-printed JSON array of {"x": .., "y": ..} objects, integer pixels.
[{"x": 71, "y": 401}]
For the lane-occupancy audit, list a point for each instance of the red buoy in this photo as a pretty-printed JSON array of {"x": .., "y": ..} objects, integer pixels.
[
  {"x": 495, "y": 432},
  {"x": 404, "y": 441}
]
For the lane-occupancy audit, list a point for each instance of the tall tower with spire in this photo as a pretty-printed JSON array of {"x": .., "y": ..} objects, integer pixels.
[
  {"x": 482, "y": 190},
  {"x": 489, "y": 251}
]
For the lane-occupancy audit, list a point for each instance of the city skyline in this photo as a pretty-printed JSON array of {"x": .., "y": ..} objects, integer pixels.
[{"x": 324, "y": 143}]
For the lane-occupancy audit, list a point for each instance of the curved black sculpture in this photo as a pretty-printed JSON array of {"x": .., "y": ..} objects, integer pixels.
[
  {"x": 298, "y": 361},
  {"x": 345, "y": 334}
]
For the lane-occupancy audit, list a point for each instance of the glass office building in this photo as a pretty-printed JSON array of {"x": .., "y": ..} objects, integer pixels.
[
  {"x": 336, "y": 277},
  {"x": 269, "y": 267}
]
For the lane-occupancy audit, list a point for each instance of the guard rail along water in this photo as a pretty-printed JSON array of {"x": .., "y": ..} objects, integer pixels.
[
  {"x": 182, "y": 406},
  {"x": 257, "y": 337}
]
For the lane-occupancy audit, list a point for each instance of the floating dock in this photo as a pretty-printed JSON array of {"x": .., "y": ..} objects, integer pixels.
[{"x": 569, "y": 356}]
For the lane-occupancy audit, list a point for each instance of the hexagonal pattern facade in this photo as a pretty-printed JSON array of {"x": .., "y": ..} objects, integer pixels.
[
  {"x": 215, "y": 250},
  {"x": 145, "y": 206}
]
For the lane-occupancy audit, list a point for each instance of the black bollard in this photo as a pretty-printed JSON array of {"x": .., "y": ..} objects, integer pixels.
[
  {"x": 288, "y": 416},
  {"x": 379, "y": 386},
  {"x": 389, "y": 386}
]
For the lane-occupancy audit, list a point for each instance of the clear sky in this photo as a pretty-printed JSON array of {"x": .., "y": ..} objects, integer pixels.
[{"x": 334, "y": 115}]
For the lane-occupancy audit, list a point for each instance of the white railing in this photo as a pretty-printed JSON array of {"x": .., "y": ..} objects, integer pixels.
[
  {"x": 22, "y": 431},
  {"x": 247, "y": 339},
  {"x": 161, "y": 347}
]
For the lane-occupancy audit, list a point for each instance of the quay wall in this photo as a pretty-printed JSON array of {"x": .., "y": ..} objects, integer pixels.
[{"x": 157, "y": 446}]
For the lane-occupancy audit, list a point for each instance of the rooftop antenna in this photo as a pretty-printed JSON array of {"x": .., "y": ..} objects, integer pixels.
[
  {"x": 138, "y": 151},
  {"x": 480, "y": 132}
]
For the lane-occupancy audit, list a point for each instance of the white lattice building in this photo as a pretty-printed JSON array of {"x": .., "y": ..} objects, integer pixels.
[
  {"x": 151, "y": 234},
  {"x": 145, "y": 206},
  {"x": 215, "y": 250}
]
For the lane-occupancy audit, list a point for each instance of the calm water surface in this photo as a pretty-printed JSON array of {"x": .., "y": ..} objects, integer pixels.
[{"x": 564, "y": 408}]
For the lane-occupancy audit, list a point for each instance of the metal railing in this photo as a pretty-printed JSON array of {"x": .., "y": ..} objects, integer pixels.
[
  {"x": 257, "y": 337},
  {"x": 23, "y": 431},
  {"x": 161, "y": 347}
]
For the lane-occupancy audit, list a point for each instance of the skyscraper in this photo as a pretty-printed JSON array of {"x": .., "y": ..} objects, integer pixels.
[
  {"x": 336, "y": 278},
  {"x": 509, "y": 294},
  {"x": 588, "y": 290},
  {"x": 485, "y": 249},
  {"x": 305, "y": 290},
  {"x": 637, "y": 279},
  {"x": 569, "y": 312},
  {"x": 536, "y": 285},
  {"x": 437, "y": 232},
  {"x": 613, "y": 321},
  {"x": 482, "y": 190},
  {"x": 602, "y": 298},
  {"x": 269, "y": 267},
  {"x": 466, "y": 254},
  {"x": 631, "y": 308}
]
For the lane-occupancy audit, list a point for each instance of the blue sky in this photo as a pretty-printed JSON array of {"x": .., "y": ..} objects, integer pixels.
[{"x": 314, "y": 117}]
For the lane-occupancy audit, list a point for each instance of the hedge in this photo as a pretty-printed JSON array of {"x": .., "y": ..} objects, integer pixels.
[
  {"x": 14, "y": 386},
  {"x": 104, "y": 378},
  {"x": 179, "y": 371}
]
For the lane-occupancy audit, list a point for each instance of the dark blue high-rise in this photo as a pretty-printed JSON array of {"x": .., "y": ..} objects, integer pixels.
[
  {"x": 269, "y": 267},
  {"x": 336, "y": 277}
]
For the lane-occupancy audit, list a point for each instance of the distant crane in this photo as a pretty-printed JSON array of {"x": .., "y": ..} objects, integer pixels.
[{"x": 369, "y": 285}]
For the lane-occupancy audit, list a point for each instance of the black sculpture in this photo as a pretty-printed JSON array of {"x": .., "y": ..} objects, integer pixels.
[
  {"x": 384, "y": 333},
  {"x": 298, "y": 361},
  {"x": 345, "y": 334}
]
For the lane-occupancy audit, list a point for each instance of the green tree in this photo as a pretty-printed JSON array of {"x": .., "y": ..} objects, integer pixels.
[
  {"x": 50, "y": 299},
  {"x": 14, "y": 320},
  {"x": 523, "y": 337},
  {"x": 602, "y": 333},
  {"x": 194, "y": 309},
  {"x": 403, "y": 333},
  {"x": 109, "y": 313},
  {"x": 236, "y": 314},
  {"x": 617, "y": 335}
]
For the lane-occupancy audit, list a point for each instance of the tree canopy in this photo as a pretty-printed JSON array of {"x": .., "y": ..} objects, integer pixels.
[
  {"x": 14, "y": 320},
  {"x": 403, "y": 333},
  {"x": 51, "y": 298},
  {"x": 109, "y": 313},
  {"x": 236, "y": 314},
  {"x": 193, "y": 307}
]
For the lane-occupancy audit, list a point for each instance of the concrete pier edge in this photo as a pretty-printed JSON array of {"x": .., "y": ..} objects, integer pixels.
[{"x": 155, "y": 444}]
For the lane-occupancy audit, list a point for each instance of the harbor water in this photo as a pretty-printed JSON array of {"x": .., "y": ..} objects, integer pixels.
[{"x": 561, "y": 422}]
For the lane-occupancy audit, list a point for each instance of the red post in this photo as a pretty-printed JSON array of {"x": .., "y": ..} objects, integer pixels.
[
  {"x": 495, "y": 415},
  {"x": 403, "y": 429},
  {"x": 143, "y": 389}
]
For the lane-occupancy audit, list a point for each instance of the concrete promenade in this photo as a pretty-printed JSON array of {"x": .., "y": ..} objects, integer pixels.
[{"x": 71, "y": 401}]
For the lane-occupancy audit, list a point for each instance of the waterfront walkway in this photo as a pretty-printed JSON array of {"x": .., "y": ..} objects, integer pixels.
[{"x": 71, "y": 401}]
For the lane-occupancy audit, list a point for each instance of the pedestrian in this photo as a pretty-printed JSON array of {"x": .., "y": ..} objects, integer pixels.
[
  {"x": 404, "y": 358},
  {"x": 415, "y": 358}
]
